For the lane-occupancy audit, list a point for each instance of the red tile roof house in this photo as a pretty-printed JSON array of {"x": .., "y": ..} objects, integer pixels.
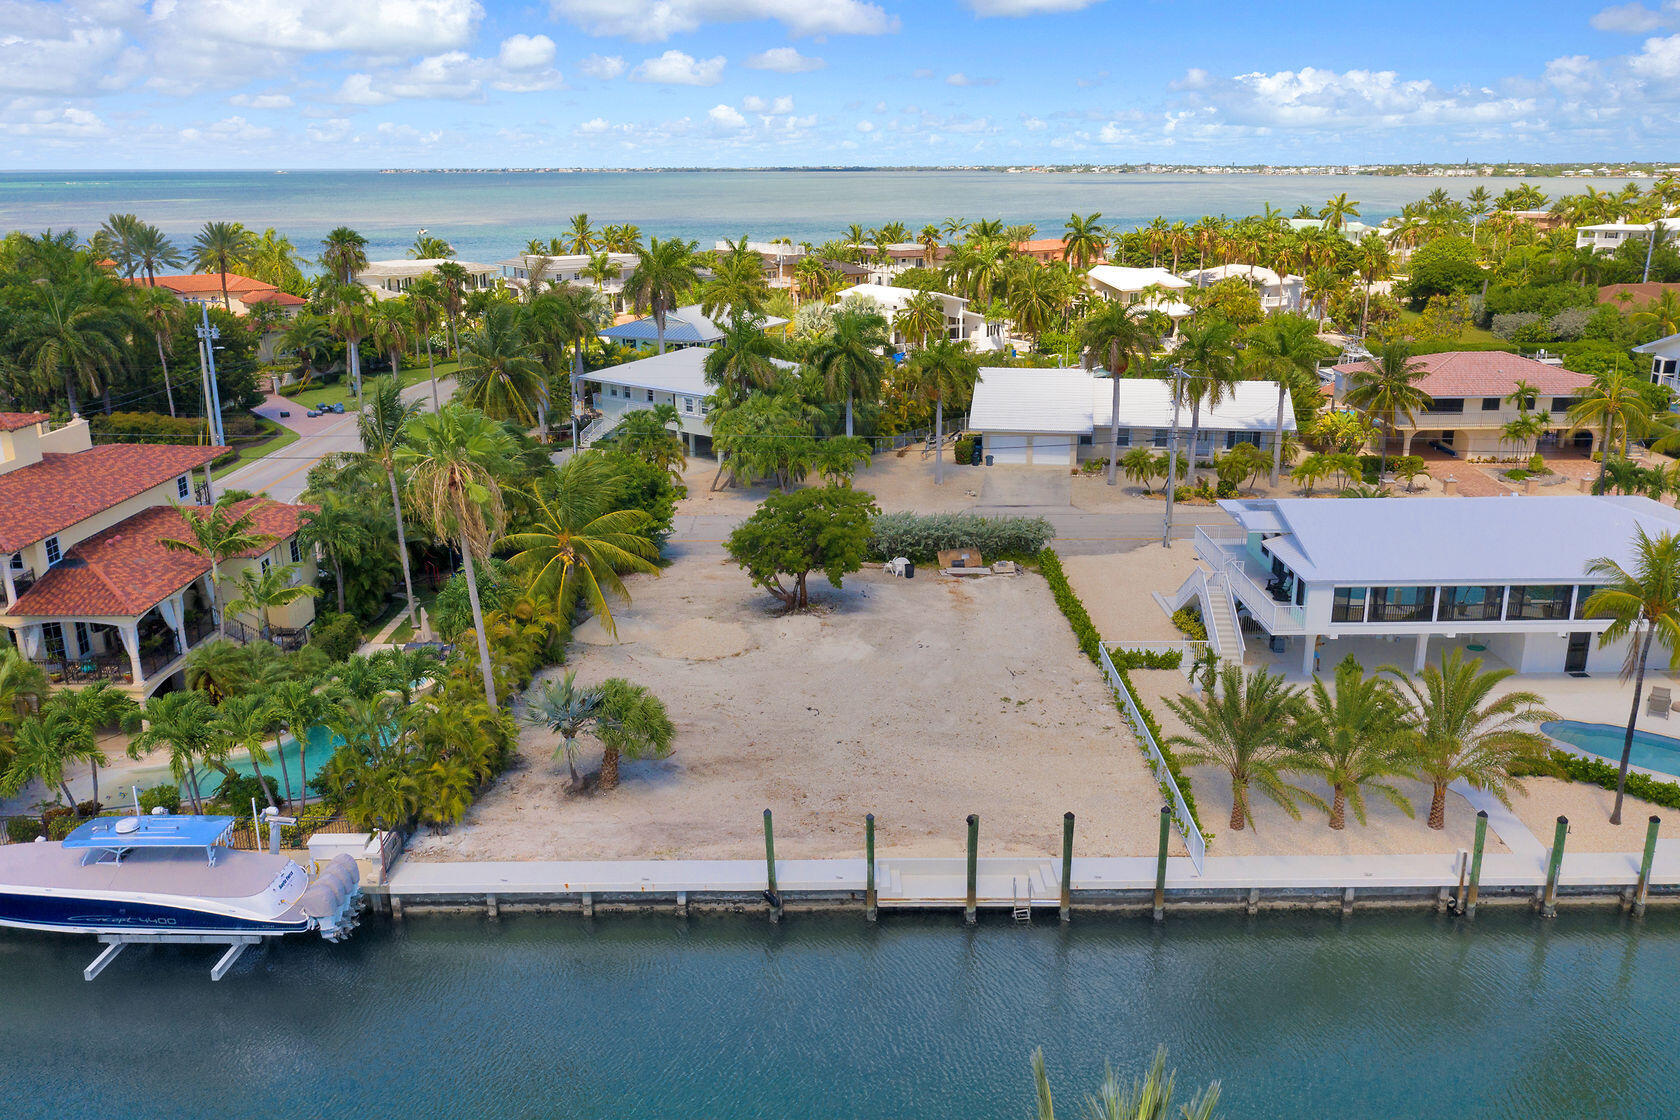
[
  {"x": 91, "y": 592},
  {"x": 243, "y": 292},
  {"x": 1470, "y": 410}
]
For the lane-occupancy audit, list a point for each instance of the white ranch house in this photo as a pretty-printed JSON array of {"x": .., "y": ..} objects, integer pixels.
[
  {"x": 676, "y": 377},
  {"x": 961, "y": 324},
  {"x": 1057, "y": 417},
  {"x": 389, "y": 279}
]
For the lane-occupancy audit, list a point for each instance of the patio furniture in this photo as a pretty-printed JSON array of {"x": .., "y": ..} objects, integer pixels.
[{"x": 1659, "y": 702}]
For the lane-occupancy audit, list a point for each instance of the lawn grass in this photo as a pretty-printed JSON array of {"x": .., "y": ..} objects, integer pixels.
[
  {"x": 343, "y": 392},
  {"x": 1469, "y": 336},
  {"x": 249, "y": 453}
]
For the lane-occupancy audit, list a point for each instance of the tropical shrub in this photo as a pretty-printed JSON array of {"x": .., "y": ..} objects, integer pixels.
[
  {"x": 964, "y": 451},
  {"x": 650, "y": 489},
  {"x": 22, "y": 830},
  {"x": 922, "y": 536},
  {"x": 166, "y": 797},
  {"x": 1146, "y": 659},
  {"x": 1084, "y": 630},
  {"x": 336, "y": 635},
  {"x": 1189, "y": 620},
  {"x": 144, "y": 427},
  {"x": 821, "y": 529},
  {"x": 452, "y": 612},
  {"x": 1593, "y": 771}
]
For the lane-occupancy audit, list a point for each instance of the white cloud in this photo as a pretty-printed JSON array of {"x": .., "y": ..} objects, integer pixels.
[
  {"x": 367, "y": 26},
  {"x": 603, "y": 66},
  {"x": 36, "y": 120},
  {"x": 1033, "y": 124},
  {"x": 784, "y": 60},
  {"x": 961, "y": 79},
  {"x": 677, "y": 68},
  {"x": 261, "y": 100},
  {"x": 1314, "y": 98},
  {"x": 1631, "y": 18},
  {"x": 231, "y": 129},
  {"x": 652, "y": 20},
  {"x": 330, "y": 131},
  {"x": 866, "y": 126},
  {"x": 725, "y": 117},
  {"x": 760, "y": 105},
  {"x": 1659, "y": 59},
  {"x": 52, "y": 48},
  {"x": 985, "y": 8},
  {"x": 526, "y": 52},
  {"x": 594, "y": 126}
]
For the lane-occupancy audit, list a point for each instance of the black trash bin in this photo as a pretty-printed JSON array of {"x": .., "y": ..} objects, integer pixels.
[
  {"x": 974, "y": 454},
  {"x": 909, "y": 569},
  {"x": 988, "y": 460}
]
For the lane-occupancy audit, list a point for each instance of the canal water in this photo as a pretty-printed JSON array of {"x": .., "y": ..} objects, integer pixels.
[{"x": 826, "y": 1016}]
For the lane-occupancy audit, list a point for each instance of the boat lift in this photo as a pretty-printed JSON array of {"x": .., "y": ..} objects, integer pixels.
[{"x": 115, "y": 943}]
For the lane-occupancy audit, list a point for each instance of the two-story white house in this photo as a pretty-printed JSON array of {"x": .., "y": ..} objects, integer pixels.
[
  {"x": 961, "y": 324},
  {"x": 389, "y": 279},
  {"x": 1401, "y": 581},
  {"x": 1153, "y": 288},
  {"x": 526, "y": 269},
  {"x": 1277, "y": 293},
  {"x": 1607, "y": 237},
  {"x": 1665, "y": 360},
  {"x": 91, "y": 592},
  {"x": 676, "y": 377}
]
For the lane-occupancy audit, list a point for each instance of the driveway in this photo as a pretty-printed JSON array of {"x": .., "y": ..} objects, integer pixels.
[{"x": 1004, "y": 487}]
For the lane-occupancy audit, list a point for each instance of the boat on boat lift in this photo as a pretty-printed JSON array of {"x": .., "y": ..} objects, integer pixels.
[{"x": 173, "y": 879}]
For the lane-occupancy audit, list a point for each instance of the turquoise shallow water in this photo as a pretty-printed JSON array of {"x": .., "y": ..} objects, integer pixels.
[
  {"x": 488, "y": 216},
  {"x": 647, "y": 1016},
  {"x": 1653, "y": 752}
]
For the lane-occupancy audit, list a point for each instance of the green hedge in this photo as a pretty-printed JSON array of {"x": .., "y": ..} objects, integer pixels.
[
  {"x": 1574, "y": 768},
  {"x": 144, "y": 427},
  {"x": 922, "y": 536},
  {"x": 1142, "y": 659},
  {"x": 1086, "y": 632}
]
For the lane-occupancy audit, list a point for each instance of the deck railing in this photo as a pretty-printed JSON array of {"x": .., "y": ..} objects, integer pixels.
[{"x": 1194, "y": 842}]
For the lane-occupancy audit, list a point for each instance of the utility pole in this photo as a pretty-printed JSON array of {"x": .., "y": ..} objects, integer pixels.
[
  {"x": 207, "y": 336},
  {"x": 1172, "y": 457}
]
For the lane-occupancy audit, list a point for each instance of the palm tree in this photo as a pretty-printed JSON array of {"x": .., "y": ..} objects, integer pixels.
[
  {"x": 221, "y": 247},
  {"x": 96, "y": 707},
  {"x": 1613, "y": 401},
  {"x": 1283, "y": 347},
  {"x": 76, "y": 331},
  {"x": 452, "y": 279},
  {"x": 849, "y": 359},
  {"x": 381, "y": 424},
  {"x": 1035, "y": 297},
  {"x": 1148, "y": 1098},
  {"x": 1387, "y": 390},
  {"x": 1207, "y": 351},
  {"x": 1138, "y": 464},
  {"x": 602, "y": 268},
  {"x": 1661, "y": 316},
  {"x": 300, "y": 709},
  {"x": 23, "y": 686},
  {"x": 1084, "y": 241},
  {"x": 1354, "y": 739},
  {"x": 427, "y": 247},
  {"x": 44, "y": 746},
  {"x": 274, "y": 260},
  {"x": 347, "y": 314},
  {"x": 1645, "y": 603},
  {"x": 500, "y": 375},
  {"x": 452, "y": 458},
  {"x": 245, "y": 722},
  {"x": 260, "y": 592},
  {"x": 580, "y": 543},
  {"x": 1116, "y": 336},
  {"x": 1244, "y": 726},
  {"x": 1338, "y": 210},
  {"x": 344, "y": 254},
  {"x": 922, "y": 317},
  {"x": 561, "y": 317},
  {"x": 181, "y": 722},
  {"x": 163, "y": 314},
  {"x": 636, "y": 726},
  {"x": 425, "y": 304},
  {"x": 581, "y": 239},
  {"x": 1373, "y": 262},
  {"x": 389, "y": 326},
  {"x": 939, "y": 370},
  {"x": 664, "y": 270},
  {"x": 218, "y": 536},
  {"x": 744, "y": 361},
  {"x": 152, "y": 250},
  {"x": 1457, "y": 732},
  {"x": 564, "y": 708},
  {"x": 737, "y": 284},
  {"x": 337, "y": 525}
]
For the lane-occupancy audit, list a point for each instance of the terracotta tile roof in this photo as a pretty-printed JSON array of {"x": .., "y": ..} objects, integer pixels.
[
  {"x": 1641, "y": 293},
  {"x": 12, "y": 421},
  {"x": 125, "y": 570},
  {"x": 204, "y": 283},
  {"x": 1041, "y": 245},
  {"x": 276, "y": 297},
  {"x": 1487, "y": 373},
  {"x": 46, "y": 497}
]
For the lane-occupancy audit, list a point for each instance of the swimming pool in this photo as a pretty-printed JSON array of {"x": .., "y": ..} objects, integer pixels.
[{"x": 1652, "y": 752}]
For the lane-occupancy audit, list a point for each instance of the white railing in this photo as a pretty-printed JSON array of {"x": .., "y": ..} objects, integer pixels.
[
  {"x": 1277, "y": 618},
  {"x": 1182, "y": 820},
  {"x": 599, "y": 428},
  {"x": 1188, "y": 649}
]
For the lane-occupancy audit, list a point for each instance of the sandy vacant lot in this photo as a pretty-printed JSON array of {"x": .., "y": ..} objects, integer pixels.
[
  {"x": 1117, "y": 588},
  {"x": 897, "y": 483},
  {"x": 920, "y": 700}
]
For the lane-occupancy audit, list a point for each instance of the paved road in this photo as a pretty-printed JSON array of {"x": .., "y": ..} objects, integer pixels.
[{"x": 284, "y": 474}]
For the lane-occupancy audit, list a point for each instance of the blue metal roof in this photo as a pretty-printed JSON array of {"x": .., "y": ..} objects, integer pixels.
[
  {"x": 687, "y": 324},
  {"x": 111, "y": 833}
]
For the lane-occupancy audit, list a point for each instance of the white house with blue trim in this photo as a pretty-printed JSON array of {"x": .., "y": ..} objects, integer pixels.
[{"x": 676, "y": 377}]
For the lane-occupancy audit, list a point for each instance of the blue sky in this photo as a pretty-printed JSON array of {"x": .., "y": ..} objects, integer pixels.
[{"x": 484, "y": 83}]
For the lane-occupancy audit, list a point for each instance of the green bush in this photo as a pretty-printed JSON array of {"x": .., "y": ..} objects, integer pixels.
[
  {"x": 1179, "y": 777},
  {"x": 296, "y": 387},
  {"x": 964, "y": 451},
  {"x": 1084, "y": 630},
  {"x": 1146, "y": 659},
  {"x": 452, "y": 612},
  {"x": 1189, "y": 620},
  {"x": 922, "y": 536},
  {"x": 165, "y": 796},
  {"x": 22, "y": 830},
  {"x": 1225, "y": 489},
  {"x": 1183, "y": 494},
  {"x": 336, "y": 635},
  {"x": 1095, "y": 466},
  {"x": 144, "y": 427},
  {"x": 237, "y": 791},
  {"x": 1593, "y": 771}
]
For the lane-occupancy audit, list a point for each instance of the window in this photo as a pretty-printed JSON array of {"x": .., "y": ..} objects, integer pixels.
[
  {"x": 1539, "y": 601},
  {"x": 1564, "y": 404},
  {"x": 1402, "y": 604},
  {"x": 1491, "y": 404},
  {"x": 688, "y": 404},
  {"x": 17, "y": 561},
  {"x": 53, "y": 632},
  {"x": 1125, "y": 439},
  {"x": 1162, "y": 435},
  {"x": 1473, "y": 603},
  {"x": 1582, "y": 594},
  {"x": 84, "y": 637},
  {"x": 53, "y": 553},
  {"x": 650, "y": 396},
  {"x": 183, "y": 487},
  {"x": 1447, "y": 404},
  {"x": 263, "y": 564},
  {"x": 1085, "y": 441},
  {"x": 297, "y": 551},
  {"x": 1348, "y": 605}
]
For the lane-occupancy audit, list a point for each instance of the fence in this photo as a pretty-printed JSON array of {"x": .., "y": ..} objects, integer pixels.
[
  {"x": 1186, "y": 824},
  {"x": 1188, "y": 649}
]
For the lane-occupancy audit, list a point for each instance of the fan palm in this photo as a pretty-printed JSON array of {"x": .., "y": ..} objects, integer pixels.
[
  {"x": 218, "y": 535},
  {"x": 1459, "y": 731},
  {"x": 941, "y": 370},
  {"x": 452, "y": 458},
  {"x": 1115, "y": 336},
  {"x": 1245, "y": 726},
  {"x": 849, "y": 358},
  {"x": 1645, "y": 604},
  {"x": 564, "y": 708},
  {"x": 1386, "y": 390},
  {"x": 580, "y": 544}
]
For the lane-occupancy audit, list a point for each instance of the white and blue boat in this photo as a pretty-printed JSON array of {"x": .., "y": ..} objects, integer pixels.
[{"x": 172, "y": 879}]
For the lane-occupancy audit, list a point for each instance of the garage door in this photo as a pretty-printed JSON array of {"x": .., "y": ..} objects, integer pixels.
[
  {"x": 1052, "y": 451},
  {"x": 1007, "y": 449}
]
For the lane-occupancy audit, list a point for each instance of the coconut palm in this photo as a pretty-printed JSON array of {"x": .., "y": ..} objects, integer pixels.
[
  {"x": 664, "y": 270},
  {"x": 499, "y": 374},
  {"x": 1283, "y": 347},
  {"x": 344, "y": 254},
  {"x": 1246, "y": 726},
  {"x": 1614, "y": 404},
  {"x": 163, "y": 314},
  {"x": 941, "y": 370},
  {"x": 151, "y": 251},
  {"x": 1372, "y": 262},
  {"x": 562, "y": 317},
  {"x": 75, "y": 331},
  {"x": 338, "y": 527},
  {"x": 744, "y": 361},
  {"x": 1460, "y": 732},
  {"x": 1338, "y": 210},
  {"x": 381, "y": 424},
  {"x": 44, "y": 746},
  {"x": 452, "y": 459},
  {"x": 1035, "y": 297},
  {"x": 580, "y": 543},
  {"x": 23, "y": 686},
  {"x": 244, "y": 722},
  {"x": 581, "y": 238},
  {"x": 849, "y": 358},
  {"x": 1146, "y": 1098},
  {"x": 1084, "y": 241},
  {"x": 1115, "y": 336},
  {"x": 1207, "y": 352},
  {"x": 221, "y": 247},
  {"x": 1645, "y": 606},
  {"x": 1386, "y": 390},
  {"x": 922, "y": 317},
  {"x": 217, "y": 536},
  {"x": 296, "y": 706},
  {"x": 179, "y": 721},
  {"x": 96, "y": 707},
  {"x": 738, "y": 283},
  {"x": 260, "y": 592},
  {"x": 601, "y": 268},
  {"x": 1355, "y": 739},
  {"x": 389, "y": 325},
  {"x": 452, "y": 278}
]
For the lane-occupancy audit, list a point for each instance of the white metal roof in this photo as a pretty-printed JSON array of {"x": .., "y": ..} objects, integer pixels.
[
  {"x": 1015, "y": 399},
  {"x": 1666, "y": 347},
  {"x": 1124, "y": 279},
  {"x": 890, "y": 295},
  {"x": 1380, "y": 541},
  {"x": 382, "y": 270},
  {"x": 676, "y": 371}
]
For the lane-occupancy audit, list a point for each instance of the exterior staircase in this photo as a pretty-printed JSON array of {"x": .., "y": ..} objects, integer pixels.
[
  {"x": 597, "y": 429},
  {"x": 1213, "y": 596}
]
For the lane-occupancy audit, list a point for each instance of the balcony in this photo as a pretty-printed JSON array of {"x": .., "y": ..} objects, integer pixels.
[{"x": 1225, "y": 550}]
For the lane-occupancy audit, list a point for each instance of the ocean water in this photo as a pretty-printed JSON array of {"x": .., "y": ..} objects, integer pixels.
[
  {"x": 626, "y": 1017},
  {"x": 490, "y": 215}
]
